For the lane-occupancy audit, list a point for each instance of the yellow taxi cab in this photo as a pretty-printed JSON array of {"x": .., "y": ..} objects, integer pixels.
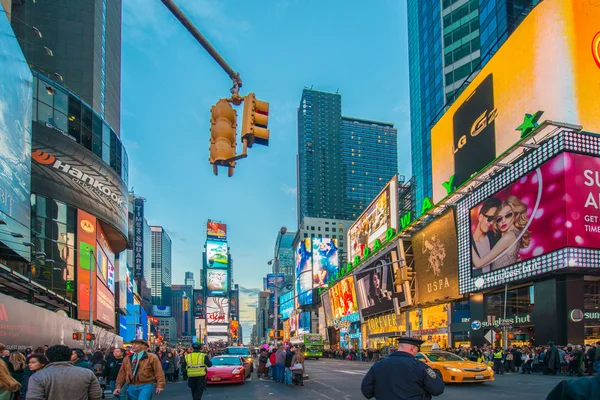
[{"x": 454, "y": 369}]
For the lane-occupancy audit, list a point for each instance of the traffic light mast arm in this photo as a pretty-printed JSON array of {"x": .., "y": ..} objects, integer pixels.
[{"x": 235, "y": 76}]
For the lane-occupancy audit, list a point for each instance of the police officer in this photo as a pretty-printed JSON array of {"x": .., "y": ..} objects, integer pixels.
[
  {"x": 402, "y": 376},
  {"x": 195, "y": 365}
]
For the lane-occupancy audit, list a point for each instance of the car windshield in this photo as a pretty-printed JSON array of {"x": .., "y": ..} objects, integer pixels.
[
  {"x": 238, "y": 351},
  {"x": 226, "y": 361},
  {"x": 442, "y": 356}
]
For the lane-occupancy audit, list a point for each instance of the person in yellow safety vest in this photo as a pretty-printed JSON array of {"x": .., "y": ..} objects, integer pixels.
[
  {"x": 498, "y": 367},
  {"x": 196, "y": 364}
]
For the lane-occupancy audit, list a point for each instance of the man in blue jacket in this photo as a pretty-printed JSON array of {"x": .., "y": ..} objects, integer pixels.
[{"x": 402, "y": 376}]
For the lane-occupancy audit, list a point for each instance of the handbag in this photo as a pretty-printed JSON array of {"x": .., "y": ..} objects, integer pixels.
[
  {"x": 297, "y": 366},
  {"x": 268, "y": 363}
]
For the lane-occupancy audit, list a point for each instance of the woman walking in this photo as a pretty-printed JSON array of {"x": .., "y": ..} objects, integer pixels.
[
  {"x": 298, "y": 366},
  {"x": 35, "y": 362},
  {"x": 168, "y": 364},
  {"x": 262, "y": 364},
  {"x": 8, "y": 385}
]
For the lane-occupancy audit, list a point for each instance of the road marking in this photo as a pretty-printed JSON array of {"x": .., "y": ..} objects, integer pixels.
[
  {"x": 327, "y": 397},
  {"x": 353, "y": 372},
  {"x": 326, "y": 385}
]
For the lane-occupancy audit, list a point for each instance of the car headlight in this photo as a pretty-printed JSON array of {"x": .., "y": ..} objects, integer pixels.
[{"x": 453, "y": 369}]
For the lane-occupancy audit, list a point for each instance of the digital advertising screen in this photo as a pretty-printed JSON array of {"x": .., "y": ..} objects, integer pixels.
[
  {"x": 303, "y": 272},
  {"x": 303, "y": 323},
  {"x": 162, "y": 311},
  {"x": 217, "y": 310},
  {"x": 375, "y": 288},
  {"x": 343, "y": 298},
  {"x": 324, "y": 259},
  {"x": 86, "y": 236},
  {"x": 286, "y": 304},
  {"x": 377, "y": 218},
  {"x": 325, "y": 300},
  {"x": 435, "y": 249},
  {"x": 216, "y": 230},
  {"x": 217, "y": 281},
  {"x": 271, "y": 281},
  {"x": 521, "y": 78},
  {"x": 303, "y": 261},
  {"x": 198, "y": 303},
  {"x": 216, "y": 254}
]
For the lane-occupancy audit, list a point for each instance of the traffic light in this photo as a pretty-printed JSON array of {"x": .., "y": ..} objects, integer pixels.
[
  {"x": 90, "y": 336},
  {"x": 407, "y": 274},
  {"x": 222, "y": 135},
  {"x": 77, "y": 335},
  {"x": 398, "y": 280},
  {"x": 255, "y": 121}
]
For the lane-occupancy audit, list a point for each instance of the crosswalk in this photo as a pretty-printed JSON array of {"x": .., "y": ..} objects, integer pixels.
[{"x": 353, "y": 372}]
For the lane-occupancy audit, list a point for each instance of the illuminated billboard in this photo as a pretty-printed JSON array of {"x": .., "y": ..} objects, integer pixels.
[
  {"x": 286, "y": 304},
  {"x": 216, "y": 254},
  {"x": 235, "y": 327},
  {"x": 325, "y": 300},
  {"x": 325, "y": 260},
  {"x": 303, "y": 323},
  {"x": 378, "y": 217},
  {"x": 217, "y": 310},
  {"x": 216, "y": 230},
  {"x": 271, "y": 281},
  {"x": 86, "y": 236},
  {"x": 217, "y": 282},
  {"x": 162, "y": 311},
  {"x": 303, "y": 274},
  {"x": 198, "y": 303},
  {"x": 343, "y": 298},
  {"x": 375, "y": 288},
  {"x": 435, "y": 250},
  {"x": 545, "y": 65}
]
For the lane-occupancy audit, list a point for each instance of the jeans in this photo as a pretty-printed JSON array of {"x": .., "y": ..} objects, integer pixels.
[
  {"x": 597, "y": 366},
  {"x": 198, "y": 385},
  {"x": 280, "y": 369},
  {"x": 112, "y": 385},
  {"x": 140, "y": 392},
  {"x": 288, "y": 376},
  {"x": 272, "y": 372}
]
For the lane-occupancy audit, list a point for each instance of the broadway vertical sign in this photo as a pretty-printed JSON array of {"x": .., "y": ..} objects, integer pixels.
[{"x": 138, "y": 242}]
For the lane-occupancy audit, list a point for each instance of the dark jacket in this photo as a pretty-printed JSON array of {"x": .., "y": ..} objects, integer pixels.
[
  {"x": 288, "y": 358},
  {"x": 577, "y": 389},
  {"x": 112, "y": 368},
  {"x": 401, "y": 376},
  {"x": 25, "y": 381},
  {"x": 552, "y": 358}
]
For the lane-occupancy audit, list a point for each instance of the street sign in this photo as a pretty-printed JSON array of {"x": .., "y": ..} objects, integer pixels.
[{"x": 489, "y": 336}]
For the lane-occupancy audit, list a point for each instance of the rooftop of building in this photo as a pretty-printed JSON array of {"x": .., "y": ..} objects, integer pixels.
[{"x": 368, "y": 121}]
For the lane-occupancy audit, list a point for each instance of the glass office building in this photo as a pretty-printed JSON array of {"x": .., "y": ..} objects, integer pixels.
[
  {"x": 161, "y": 266},
  {"x": 448, "y": 41}
]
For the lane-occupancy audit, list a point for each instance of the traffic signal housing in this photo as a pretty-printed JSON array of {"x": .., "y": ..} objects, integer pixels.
[
  {"x": 407, "y": 274},
  {"x": 90, "y": 336},
  {"x": 398, "y": 279},
  {"x": 255, "y": 121},
  {"x": 223, "y": 123},
  {"x": 77, "y": 335}
]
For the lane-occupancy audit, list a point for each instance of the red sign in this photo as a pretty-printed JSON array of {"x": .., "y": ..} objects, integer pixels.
[{"x": 86, "y": 236}]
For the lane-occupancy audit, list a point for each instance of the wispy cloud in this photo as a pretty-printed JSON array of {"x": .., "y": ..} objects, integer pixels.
[
  {"x": 290, "y": 191},
  {"x": 249, "y": 291}
]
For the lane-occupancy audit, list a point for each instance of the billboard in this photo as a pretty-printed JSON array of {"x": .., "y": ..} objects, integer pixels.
[
  {"x": 66, "y": 171},
  {"x": 15, "y": 137},
  {"x": 343, "y": 298},
  {"x": 162, "y": 311},
  {"x": 138, "y": 237},
  {"x": 105, "y": 259},
  {"x": 104, "y": 305},
  {"x": 286, "y": 304},
  {"x": 235, "y": 329},
  {"x": 325, "y": 260},
  {"x": 554, "y": 206},
  {"x": 271, "y": 281},
  {"x": 303, "y": 272},
  {"x": 217, "y": 310},
  {"x": 86, "y": 236},
  {"x": 435, "y": 250},
  {"x": 325, "y": 300},
  {"x": 378, "y": 217},
  {"x": 217, "y": 283},
  {"x": 216, "y": 254},
  {"x": 303, "y": 323},
  {"x": 375, "y": 288},
  {"x": 523, "y": 76},
  {"x": 198, "y": 303},
  {"x": 216, "y": 230}
]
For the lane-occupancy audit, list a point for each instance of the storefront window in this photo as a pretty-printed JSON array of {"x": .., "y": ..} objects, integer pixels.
[
  {"x": 591, "y": 293},
  {"x": 518, "y": 302},
  {"x": 435, "y": 317}
]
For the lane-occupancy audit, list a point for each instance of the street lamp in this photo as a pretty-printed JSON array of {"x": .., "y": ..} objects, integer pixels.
[{"x": 282, "y": 232}]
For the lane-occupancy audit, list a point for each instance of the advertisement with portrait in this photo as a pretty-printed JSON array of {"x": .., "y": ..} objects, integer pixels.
[
  {"x": 105, "y": 259},
  {"x": 436, "y": 259},
  {"x": 522, "y": 77},
  {"x": 343, "y": 298},
  {"x": 138, "y": 237},
  {"x": 216, "y": 230},
  {"x": 326, "y": 301},
  {"x": 66, "y": 171},
  {"x": 303, "y": 272},
  {"x": 86, "y": 235},
  {"x": 217, "y": 282},
  {"x": 198, "y": 303},
  {"x": 375, "y": 288},
  {"x": 104, "y": 306},
  {"x": 303, "y": 323},
  {"x": 378, "y": 217},
  {"x": 15, "y": 139},
  {"x": 162, "y": 311},
  {"x": 324, "y": 259},
  {"x": 217, "y": 255},
  {"x": 293, "y": 322},
  {"x": 217, "y": 310},
  {"x": 554, "y": 206}
]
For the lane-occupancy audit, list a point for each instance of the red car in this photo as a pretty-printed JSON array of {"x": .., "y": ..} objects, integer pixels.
[{"x": 228, "y": 369}]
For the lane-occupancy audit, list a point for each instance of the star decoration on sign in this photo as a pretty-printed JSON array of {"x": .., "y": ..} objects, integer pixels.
[{"x": 530, "y": 122}]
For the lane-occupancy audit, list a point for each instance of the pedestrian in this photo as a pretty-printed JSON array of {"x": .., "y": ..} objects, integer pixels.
[
  {"x": 79, "y": 359},
  {"x": 61, "y": 379},
  {"x": 279, "y": 364},
  {"x": 111, "y": 370},
  {"x": 576, "y": 389},
  {"x": 5, "y": 356},
  {"x": 298, "y": 366},
  {"x": 8, "y": 385},
  {"x": 289, "y": 356},
  {"x": 552, "y": 360},
  {"x": 401, "y": 375},
  {"x": 263, "y": 358},
  {"x": 196, "y": 365},
  {"x": 168, "y": 364},
  {"x": 498, "y": 367},
  {"x": 35, "y": 362},
  {"x": 142, "y": 371},
  {"x": 272, "y": 361}
]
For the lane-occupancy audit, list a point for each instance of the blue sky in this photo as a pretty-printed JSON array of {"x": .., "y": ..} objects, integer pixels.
[{"x": 279, "y": 47}]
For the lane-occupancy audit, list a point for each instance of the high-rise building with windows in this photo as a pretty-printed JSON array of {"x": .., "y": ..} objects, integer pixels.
[
  {"x": 161, "y": 266},
  {"x": 448, "y": 40},
  {"x": 285, "y": 254},
  {"x": 189, "y": 279},
  {"x": 343, "y": 162}
]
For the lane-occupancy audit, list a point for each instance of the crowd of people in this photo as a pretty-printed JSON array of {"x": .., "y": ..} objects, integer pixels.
[
  {"x": 353, "y": 355},
  {"x": 283, "y": 364},
  {"x": 31, "y": 374}
]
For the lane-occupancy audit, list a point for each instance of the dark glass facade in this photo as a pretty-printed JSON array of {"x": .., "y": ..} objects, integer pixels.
[
  {"x": 56, "y": 107},
  {"x": 161, "y": 266}
]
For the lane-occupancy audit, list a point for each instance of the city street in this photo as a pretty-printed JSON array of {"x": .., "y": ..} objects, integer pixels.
[{"x": 336, "y": 379}]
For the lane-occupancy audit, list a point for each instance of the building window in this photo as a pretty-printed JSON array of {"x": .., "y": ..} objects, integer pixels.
[{"x": 305, "y": 235}]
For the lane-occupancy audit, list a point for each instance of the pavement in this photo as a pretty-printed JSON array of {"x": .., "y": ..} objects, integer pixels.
[{"x": 340, "y": 379}]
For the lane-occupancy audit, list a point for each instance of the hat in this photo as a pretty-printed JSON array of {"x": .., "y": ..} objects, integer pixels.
[
  {"x": 140, "y": 341},
  {"x": 410, "y": 340}
]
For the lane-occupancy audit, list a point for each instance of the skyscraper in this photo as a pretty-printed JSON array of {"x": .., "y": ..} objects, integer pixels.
[
  {"x": 286, "y": 256},
  {"x": 449, "y": 40},
  {"x": 161, "y": 266},
  {"x": 340, "y": 152},
  {"x": 85, "y": 39},
  {"x": 182, "y": 303}
]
